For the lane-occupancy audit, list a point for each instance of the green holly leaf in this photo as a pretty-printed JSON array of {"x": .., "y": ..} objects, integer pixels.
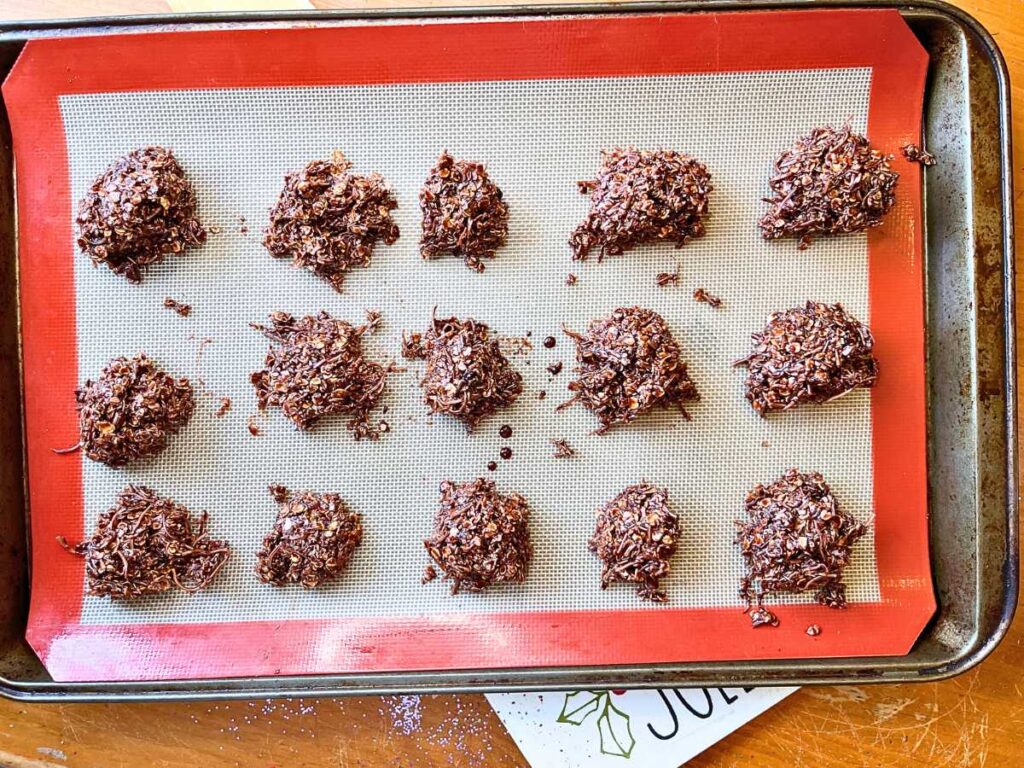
[
  {"x": 580, "y": 705},
  {"x": 616, "y": 735}
]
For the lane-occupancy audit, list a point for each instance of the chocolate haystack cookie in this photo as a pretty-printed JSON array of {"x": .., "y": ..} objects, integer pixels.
[
  {"x": 463, "y": 213},
  {"x": 467, "y": 376},
  {"x": 831, "y": 181},
  {"x": 641, "y": 197},
  {"x": 328, "y": 220},
  {"x": 317, "y": 369},
  {"x": 138, "y": 211},
  {"x": 313, "y": 539},
  {"x": 481, "y": 537},
  {"x": 809, "y": 354},
  {"x": 146, "y": 544},
  {"x": 629, "y": 364},
  {"x": 795, "y": 540},
  {"x": 130, "y": 410},
  {"x": 635, "y": 537}
]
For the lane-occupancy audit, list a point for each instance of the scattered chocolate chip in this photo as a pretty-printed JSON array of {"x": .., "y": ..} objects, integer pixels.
[
  {"x": 328, "y": 220},
  {"x": 667, "y": 278},
  {"x": 814, "y": 630},
  {"x": 253, "y": 427},
  {"x": 312, "y": 540},
  {"x": 635, "y": 537},
  {"x": 915, "y": 154},
  {"x": 831, "y": 181},
  {"x": 463, "y": 213},
  {"x": 505, "y": 431},
  {"x": 541, "y": 395},
  {"x": 505, "y": 453},
  {"x": 562, "y": 448},
  {"x": 550, "y": 341},
  {"x": 640, "y": 197},
  {"x": 129, "y": 412},
  {"x": 571, "y": 279},
  {"x": 182, "y": 309},
  {"x": 492, "y": 465},
  {"x": 481, "y": 537},
  {"x": 629, "y": 365},
  {"x": 467, "y": 376},
  {"x": 318, "y": 369},
  {"x": 702, "y": 295},
  {"x": 139, "y": 210},
  {"x": 224, "y": 407},
  {"x": 555, "y": 368},
  {"x": 796, "y": 539},
  {"x": 146, "y": 544},
  {"x": 810, "y": 354}
]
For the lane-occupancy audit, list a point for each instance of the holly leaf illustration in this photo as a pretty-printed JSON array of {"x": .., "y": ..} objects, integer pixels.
[
  {"x": 580, "y": 705},
  {"x": 616, "y": 735}
]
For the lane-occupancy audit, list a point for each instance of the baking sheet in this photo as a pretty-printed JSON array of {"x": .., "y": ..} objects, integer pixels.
[{"x": 537, "y": 137}]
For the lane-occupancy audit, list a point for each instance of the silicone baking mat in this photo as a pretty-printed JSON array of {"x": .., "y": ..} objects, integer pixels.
[{"x": 536, "y": 100}]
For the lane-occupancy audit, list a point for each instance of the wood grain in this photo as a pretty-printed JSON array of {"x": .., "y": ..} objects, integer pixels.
[{"x": 974, "y": 720}]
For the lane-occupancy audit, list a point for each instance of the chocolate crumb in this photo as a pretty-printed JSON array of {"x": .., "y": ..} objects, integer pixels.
[
  {"x": 830, "y": 182},
  {"x": 915, "y": 154},
  {"x": 562, "y": 448},
  {"x": 707, "y": 298},
  {"x": 253, "y": 427},
  {"x": 796, "y": 539},
  {"x": 225, "y": 406},
  {"x": 640, "y": 197},
  {"x": 312, "y": 540},
  {"x": 480, "y": 537},
  {"x": 505, "y": 431},
  {"x": 131, "y": 410},
  {"x": 467, "y": 376},
  {"x": 764, "y": 444},
  {"x": 667, "y": 278},
  {"x": 571, "y": 279},
  {"x": 328, "y": 220},
  {"x": 629, "y": 365},
  {"x": 429, "y": 574},
  {"x": 810, "y": 354},
  {"x": 635, "y": 537},
  {"x": 555, "y": 368},
  {"x": 505, "y": 453},
  {"x": 182, "y": 309},
  {"x": 814, "y": 630},
  {"x": 762, "y": 617},
  {"x": 541, "y": 395},
  {"x": 138, "y": 211},
  {"x": 146, "y": 544},
  {"x": 463, "y": 213},
  {"x": 318, "y": 368}
]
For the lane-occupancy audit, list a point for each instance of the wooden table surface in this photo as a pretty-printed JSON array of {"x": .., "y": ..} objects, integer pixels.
[{"x": 974, "y": 720}]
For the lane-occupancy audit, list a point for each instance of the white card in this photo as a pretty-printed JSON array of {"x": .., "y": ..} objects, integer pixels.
[{"x": 660, "y": 728}]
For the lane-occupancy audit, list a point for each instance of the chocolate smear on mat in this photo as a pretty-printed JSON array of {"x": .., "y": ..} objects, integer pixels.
[
  {"x": 463, "y": 213},
  {"x": 328, "y": 220},
  {"x": 810, "y": 354},
  {"x": 131, "y": 410},
  {"x": 467, "y": 376},
  {"x": 312, "y": 540},
  {"x": 146, "y": 544},
  {"x": 480, "y": 537},
  {"x": 635, "y": 537},
  {"x": 795, "y": 539},
  {"x": 704, "y": 297},
  {"x": 642, "y": 197},
  {"x": 317, "y": 369},
  {"x": 830, "y": 182},
  {"x": 138, "y": 211},
  {"x": 629, "y": 364},
  {"x": 181, "y": 308},
  {"x": 915, "y": 154}
]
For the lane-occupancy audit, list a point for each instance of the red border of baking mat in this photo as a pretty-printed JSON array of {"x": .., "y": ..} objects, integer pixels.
[{"x": 594, "y": 46}]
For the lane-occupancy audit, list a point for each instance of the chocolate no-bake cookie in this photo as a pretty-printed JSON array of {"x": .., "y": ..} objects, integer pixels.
[
  {"x": 463, "y": 213},
  {"x": 146, "y": 544},
  {"x": 831, "y": 181},
  {"x": 139, "y": 210},
  {"x": 328, "y": 219},
  {"x": 319, "y": 368},
  {"x": 809, "y": 354},
  {"x": 640, "y": 197},
  {"x": 312, "y": 541},
  {"x": 796, "y": 539},
  {"x": 481, "y": 537},
  {"x": 629, "y": 364},
  {"x": 635, "y": 537},
  {"x": 130, "y": 410},
  {"x": 466, "y": 376}
]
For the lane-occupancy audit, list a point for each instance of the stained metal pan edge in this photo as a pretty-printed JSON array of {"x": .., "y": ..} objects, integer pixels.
[{"x": 971, "y": 388}]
